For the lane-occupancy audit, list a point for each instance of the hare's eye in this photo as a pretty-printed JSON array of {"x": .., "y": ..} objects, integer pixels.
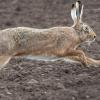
[{"x": 86, "y": 29}]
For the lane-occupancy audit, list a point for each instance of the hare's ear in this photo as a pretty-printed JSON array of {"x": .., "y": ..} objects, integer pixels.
[
  {"x": 73, "y": 14},
  {"x": 79, "y": 10},
  {"x": 81, "y": 13}
]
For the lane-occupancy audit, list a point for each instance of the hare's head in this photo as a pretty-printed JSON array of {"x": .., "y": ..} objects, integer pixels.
[{"x": 84, "y": 31}]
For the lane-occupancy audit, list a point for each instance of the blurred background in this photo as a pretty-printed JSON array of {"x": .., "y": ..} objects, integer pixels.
[{"x": 46, "y": 13}]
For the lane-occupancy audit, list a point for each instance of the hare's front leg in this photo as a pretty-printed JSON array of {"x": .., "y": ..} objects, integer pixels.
[
  {"x": 90, "y": 61},
  {"x": 93, "y": 61},
  {"x": 78, "y": 53}
]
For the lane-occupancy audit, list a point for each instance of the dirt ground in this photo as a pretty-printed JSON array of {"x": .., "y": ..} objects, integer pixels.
[{"x": 25, "y": 79}]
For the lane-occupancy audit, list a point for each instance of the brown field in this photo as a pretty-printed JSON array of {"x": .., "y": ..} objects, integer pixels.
[{"x": 25, "y": 79}]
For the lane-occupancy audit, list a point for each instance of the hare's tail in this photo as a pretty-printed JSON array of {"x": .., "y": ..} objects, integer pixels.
[{"x": 4, "y": 60}]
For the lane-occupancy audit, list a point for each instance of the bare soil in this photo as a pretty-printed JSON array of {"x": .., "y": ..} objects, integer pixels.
[{"x": 25, "y": 79}]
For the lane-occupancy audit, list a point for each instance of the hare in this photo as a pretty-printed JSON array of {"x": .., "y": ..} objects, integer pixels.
[{"x": 56, "y": 41}]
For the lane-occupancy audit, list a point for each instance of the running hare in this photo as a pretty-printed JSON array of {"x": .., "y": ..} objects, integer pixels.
[{"x": 56, "y": 41}]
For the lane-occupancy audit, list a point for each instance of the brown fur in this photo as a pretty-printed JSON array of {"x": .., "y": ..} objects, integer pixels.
[{"x": 56, "y": 41}]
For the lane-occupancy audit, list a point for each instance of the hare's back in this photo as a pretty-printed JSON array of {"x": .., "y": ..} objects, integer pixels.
[{"x": 24, "y": 38}]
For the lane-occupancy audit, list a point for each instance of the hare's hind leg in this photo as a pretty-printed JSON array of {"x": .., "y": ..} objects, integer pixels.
[{"x": 4, "y": 60}]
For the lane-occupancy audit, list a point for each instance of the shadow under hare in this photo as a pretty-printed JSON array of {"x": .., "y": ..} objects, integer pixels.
[{"x": 56, "y": 41}]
